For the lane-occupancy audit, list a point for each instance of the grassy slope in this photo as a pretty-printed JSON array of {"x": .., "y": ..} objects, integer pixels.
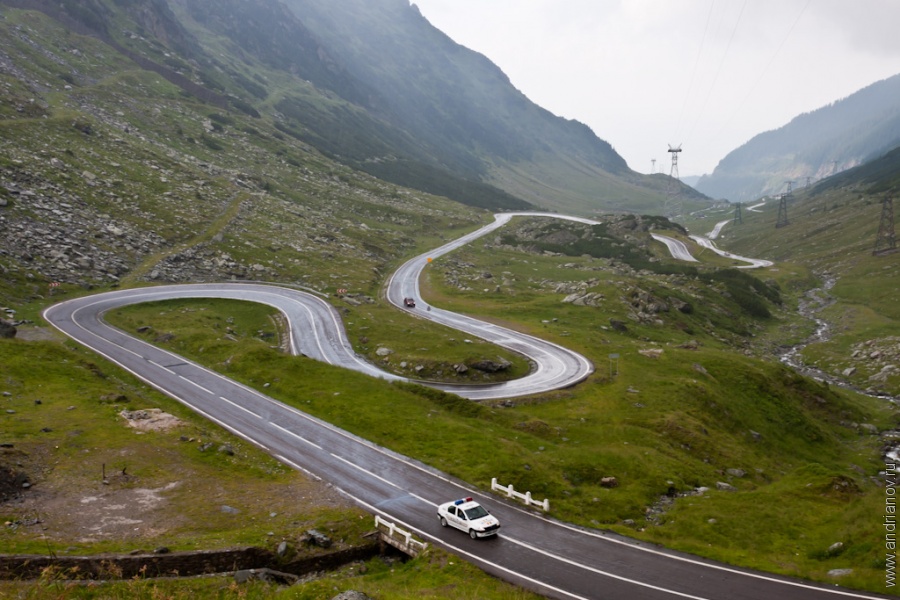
[
  {"x": 62, "y": 410},
  {"x": 677, "y": 421},
  {"x": 75, "y": 435},
  {"x": 830, "y": 236},
  {"x": 573, "y": 188},
  {"x": 697, "y": 409}
]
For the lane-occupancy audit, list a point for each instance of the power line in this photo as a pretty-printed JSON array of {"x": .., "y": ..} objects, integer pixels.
[
  {"x": 702, "y": 111},
  {"x": 765, "y": 70},
  {"x": 690, "y": 88}
]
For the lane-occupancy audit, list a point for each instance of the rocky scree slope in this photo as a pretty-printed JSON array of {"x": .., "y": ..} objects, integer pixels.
[{"x": 104, "y": 170}]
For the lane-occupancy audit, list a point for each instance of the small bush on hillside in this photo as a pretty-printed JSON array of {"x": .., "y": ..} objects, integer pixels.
[
  {"x": 742, "y": 279},
  {"x": 212, "y": 144},
  {"x": 747, "y": 291},
  {"x": 244, "y": 107},
  {"x": 219, "y": 118}
]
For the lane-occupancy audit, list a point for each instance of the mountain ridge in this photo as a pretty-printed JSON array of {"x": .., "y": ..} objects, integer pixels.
[
  {"x": 408, "y": 105},
  {"x": 814, "y": 145}
]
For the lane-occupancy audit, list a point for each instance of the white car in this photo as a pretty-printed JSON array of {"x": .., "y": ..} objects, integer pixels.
[{"x": 469, "y": 516}]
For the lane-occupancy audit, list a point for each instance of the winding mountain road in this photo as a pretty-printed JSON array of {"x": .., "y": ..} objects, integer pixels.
[
  {"x": 552, "y": 558},
  {"x": 707, "y": 242},
  {"x": 677, "y": 248}
]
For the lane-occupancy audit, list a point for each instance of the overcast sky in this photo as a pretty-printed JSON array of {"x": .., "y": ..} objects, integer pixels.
[{"x": 706, "y": 74}]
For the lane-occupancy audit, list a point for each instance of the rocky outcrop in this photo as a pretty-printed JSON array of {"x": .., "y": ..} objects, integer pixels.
[
  {"x": 51, "y": 232},
  {"x": 877, "y": 358},
  {"x": 7, "y": 329},
  {"x": 491, "y": 366}
]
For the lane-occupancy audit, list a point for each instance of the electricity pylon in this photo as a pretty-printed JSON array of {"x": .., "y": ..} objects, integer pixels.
[
  {"x": 673, "y": 190},
  {"x": 782, "y": 212},
  {"x": 782, "y": 207},
  {"x": 886, "y": 242}
]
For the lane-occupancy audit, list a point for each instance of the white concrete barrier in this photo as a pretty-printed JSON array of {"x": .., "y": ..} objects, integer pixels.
[
  {"x": 408, "y": 545},
  {"x": 526, "y": 497}
]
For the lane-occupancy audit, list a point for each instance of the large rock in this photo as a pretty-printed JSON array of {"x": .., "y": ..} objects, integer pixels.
[
  {"x": 618, "y": 325},
  {"x": 491, "y": 366},
  {"x": 7, "y": 330},
  {"x": 352, "y": 595},
  {"x": 314, "y": 537},
  {"x": 265, "y": 574}
]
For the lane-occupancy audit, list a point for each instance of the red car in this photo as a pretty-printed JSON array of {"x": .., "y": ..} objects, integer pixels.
[{"x": 409, "y": 303}]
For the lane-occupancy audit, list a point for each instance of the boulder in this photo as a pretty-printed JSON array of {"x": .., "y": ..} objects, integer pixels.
[
  {"x": 7, "y": 330},
  {"x": 618, "y": 325},
  {"x": 265, "y": 574},
  {"x": 351, "y": 595},
  {"x": 491, "y": 366},
  {"x": 315, "y": 537}
]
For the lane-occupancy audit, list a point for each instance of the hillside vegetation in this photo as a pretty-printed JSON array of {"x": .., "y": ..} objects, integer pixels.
[
  {"x": 373, "y": 85},
  {"x": 115, "y": 174},
  {"x": 833, "y": 230}
]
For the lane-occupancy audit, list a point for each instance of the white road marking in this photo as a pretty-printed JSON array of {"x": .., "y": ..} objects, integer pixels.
[
  {"x": 236, "y": 405},
  {"x": 366, "y": 471},
  {"x": 196, "y": 385},
  {"x": 472, "y": 557},
  {"x": 300, "y": 468},
  {"x": 295, "y": 435}
]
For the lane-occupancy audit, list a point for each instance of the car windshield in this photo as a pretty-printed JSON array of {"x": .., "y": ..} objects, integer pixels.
[{"x": 476, "y": 512}]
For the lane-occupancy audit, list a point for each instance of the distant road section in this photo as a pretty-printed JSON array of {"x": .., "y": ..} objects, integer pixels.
[
  {"x": 755, "y": 263},
  {"x": 680, "y": 251},
  {"x": 707, "y": 242},
  {"x": 676, "y": 247}
]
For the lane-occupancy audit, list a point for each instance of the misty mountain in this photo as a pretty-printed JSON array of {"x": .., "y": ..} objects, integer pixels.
[
  {"x": 874, "y": 177},
  {"x": 815, "y": 145},
  {"x": 690, "y": 180},
  {"x": 443, "y": 90},
  {"x": 372, "y": 84},
  {"x": 470, "y": 115}
]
